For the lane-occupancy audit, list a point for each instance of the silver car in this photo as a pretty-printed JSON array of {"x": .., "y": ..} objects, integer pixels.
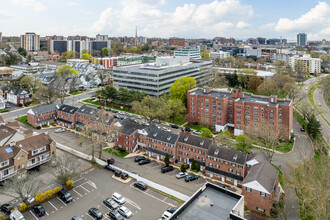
[
  {"x": 181, "y": 175},
  {"x": 124, "y": 211}
]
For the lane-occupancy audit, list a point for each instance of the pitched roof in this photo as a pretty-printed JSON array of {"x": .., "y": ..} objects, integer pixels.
[
  {"x": 13, "y": 125},
  {"x": 68, "y": 109},
  {"x": 42, "y": 109},
  {"x": 6, "y": 131},
  {"x": 164, "y": 136},
  {"x": 263, "y": 173},
  {"x": 18, "y": 91},
  {"x": 128, "y": 126},
  {"x": 257, "y": 158},
  {"x": 6, "y": 153},
  {"x": 227, "y": 154},
  {"x": 195, "y": 140},
  {"x": 87, "y": 110},
  {"x": 34, "y": 142}
]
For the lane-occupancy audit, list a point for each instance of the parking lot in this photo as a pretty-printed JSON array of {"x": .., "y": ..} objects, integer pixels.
[{"x": 92, "y": 186}]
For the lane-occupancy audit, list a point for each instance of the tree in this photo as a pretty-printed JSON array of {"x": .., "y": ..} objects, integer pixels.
[
  {"x": 313, "y": 127},
  {"x": 207, "y": 133},
  {"x": 184, "y": 167},
  {"x": 102, "y": 74},
  {"x": 167, "y": 159},
  {"x": 244, "y": 142},
  {"x": 254, "y": 83},
  {"x": 193, "y": 164},
  {"x": 305, "y": 109},
  {"x": 301, "y": 70},
  {"x": 11, "y": 59},
  {"x": 232, "y": 79},
  {"x": 270, "y": 134},
  {"x": 324, "y": 86},
  {"x": 63, "y": 73},
  {"x": 31, "y": 83},
  {"x": 70, "y": 54},
  {"x": 151, "y": 108},
  {"x": 46, "y": 94},
  {"x": 105, "y": 52},
  {"x": 21, "y": 187},
  {"x": 180, "y": 87},
  {"x": 22, "y": 51},
  {"x": 176, "y": 108},
  {"x": 83, "y": 51},
  {"x": 224, "y": 138},
  {"x": 64, "y": 168},
  {"x": 268, "y": 87},
  {"x": 282, "y": 79},
  {"x": 291, "y": 90},
  {"x": 86, "y": 56},
  {"x": 205, "y": 55}
]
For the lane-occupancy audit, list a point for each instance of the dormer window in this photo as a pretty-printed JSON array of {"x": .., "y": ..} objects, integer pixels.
[
  {"x": 202, "y": 143},
  {"x": 169, "y": 138},
  {"x": 185, "y": 139}
]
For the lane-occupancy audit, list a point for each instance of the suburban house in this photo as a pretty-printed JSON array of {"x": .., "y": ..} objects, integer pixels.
[
  {"x": 9, "y": 136},
  {"x": 42, "y": 115},
  {"x": 3, "y": 102},
  {"x": 17, "y": 96},
  {"x": 66, "y": 116},
  {"x": 25, "y": 154}
]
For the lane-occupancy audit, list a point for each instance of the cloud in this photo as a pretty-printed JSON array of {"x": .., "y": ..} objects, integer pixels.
[
  {"x": 242, "y": 24},
  {"x": 267, "y": 27},
  {"x": 204, "y": 20},
  {"x": 71, "y": 4},
  {"x": 316, "y": 17},
  {"x": 32, "y": 3},
  {"x": 5, "y": 14}
]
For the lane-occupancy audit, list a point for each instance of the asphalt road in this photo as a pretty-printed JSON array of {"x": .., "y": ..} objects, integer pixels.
[{"x": 72, "y": 100}]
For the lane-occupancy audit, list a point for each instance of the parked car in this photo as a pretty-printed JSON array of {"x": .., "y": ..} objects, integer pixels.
[
  {"x": 95, "y": 213},
  {"x": 145, "y": 123},
  {"x": 115, "y": 215},
  {"x": 76, "y": 217},
  {"x": 91, "y": 99},
  {"x": 139, "y": 158},
  {"x": 7, "y": 105},
  {"x": 136, "y": 121},
  {"x": 171, "y": 209},
  {"x": 124, "y": 176},
  {"x": 155, "y": 121},
  {"x": 110, "y": 160},
  {"x": 124, "y": 211},
  {"x": 130, "y": 115},
  {"x": 181, "y": 175},
  {"x": 110, "y": 203},
  {"x": 114, "y": 110},
  {"x": 138, "y": 117},
  {"x": 196, "y": 132},
  {"x": 59, "y": 130},
  {"x": 166, "y": 215},
  {"x": 39, "y": 210},
  {"x": 141, "y": 185},
  {"x": 190, "y": 177},
  {"x": 142, "y": 162},
  {"x": 16, "y": 215},
  {"x": 118, "y": 198},
  {"x": 109, "y": 167},
  {"x": 108, "y": 109},
  {"x": 117, "y": 173},
  {"x": 166, "y": 169},
  {"x": 175, "y": 126},
  {"x": 65, "y": 196},
  {"x": 100, "y": 107},
  {"x": 6, "y": 208},
  {"x": 302, "y": 129},
  {"x": 115, "y": 116},
  {"x": 187, "y": 129}
]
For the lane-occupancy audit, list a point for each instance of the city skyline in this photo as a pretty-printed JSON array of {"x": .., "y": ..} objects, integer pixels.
[{"x": 240, "y": 19}]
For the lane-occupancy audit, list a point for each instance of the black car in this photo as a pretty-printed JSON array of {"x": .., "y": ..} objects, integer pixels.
[
  {"x": 124, "y": 176},
  {"x": 117, "y": 172},
  {"x": 139, "y": 158},
  {"x": 115, "y": 215},
  {"x": 108, "y": 109},
  {"x": 175, "y": 126},
  {"x": 110, "y": 203},
  {"x": 6, "y": 208},
  {"x": 187, "y": 129},
  {"x": 141, "y": 162},
  {"x": 302, "y": 129},
  {"x": 39, "y": 210},
  {"x": 95, "y": 213},
  {"x": 109, "y": 167},
  {"x": 65, "y": 196},
  {"x": 115, "y": 116},
  {"x": 110, "y": 161},
  {"x": 141, "y": 185},
  {"x": 114, "y": 111},
  {"x": 171, "y": 209},
  {"x": 190, "y": 177},
  {"x": 166, "y": 169}
]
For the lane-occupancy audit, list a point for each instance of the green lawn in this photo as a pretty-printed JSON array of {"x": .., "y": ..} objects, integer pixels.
[
  {"x": 196, "y": 127},
  {"x": 76, "y": 93},
  {"x": 23, "y": 119},
  {"x": 284, "y": 147},
  {"x": 116, "y": 152},
  {"x": 4, "y": 110},
  {"x": 108, "y": 106},
  {"x": 179, "y": 120},
  {"x": 280, "y": 176},
  {"x": 299, "y": 118}
]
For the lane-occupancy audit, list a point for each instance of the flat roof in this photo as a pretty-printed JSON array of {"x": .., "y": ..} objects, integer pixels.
[{"x": 209, "y": 202}]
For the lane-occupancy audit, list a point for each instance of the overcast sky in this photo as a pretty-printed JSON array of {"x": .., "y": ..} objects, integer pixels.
[{"x": 240, "y": 19}]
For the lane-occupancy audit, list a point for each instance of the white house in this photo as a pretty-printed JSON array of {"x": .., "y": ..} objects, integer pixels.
[
  {"x": 18, "y": 95},
  {"x": 2, "y": 102}
]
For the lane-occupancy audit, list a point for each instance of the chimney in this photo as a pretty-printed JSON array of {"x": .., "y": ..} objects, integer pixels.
[
  {"x": 207, "y": 89},
  {"x": 214, "y": 141},
  {"x": 273, "y": 98}
]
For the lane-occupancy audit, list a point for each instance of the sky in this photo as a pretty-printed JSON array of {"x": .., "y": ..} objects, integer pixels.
[{"x": 240, "y": 19}]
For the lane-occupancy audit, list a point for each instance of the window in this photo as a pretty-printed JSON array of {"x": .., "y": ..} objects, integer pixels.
[
  {"x": 256, "y": 114},
  {"x": 6, "y": 172},
  {"x": 256, "y": 119},
  {"x": 217, "y": 166},
  {"x": 247, "y": 107},
  {"x": 262, "y": 109},
  {"x": 192, "y": 99},
  {"x": 247, "y": 113},
  {"x": 233, "y": 164},
  {"x": 238, "y": 117},
  {"x": 230, "y": 179},
  {"x": 206, "y": 100},
  {"x": 3, "y": 164},
  {"x": 248, "y": 189},
  {"x": 271, "y": 112},
  {"x": 230, "y": 101},
  {"x": 256, "y": 108},
  {"x": 238, "y": 173},
  {"x": 263, "y": 194},
  {"x": 230, "y": 170},
  {"x": 35, "y": 152},
  {"x": 260, "y": 209},
  {"x": 247, "y": 118},
  {"x": 239, "y": 107},
  {"x": 240, "y": 166},
  {"x": 219, "y": 113}
]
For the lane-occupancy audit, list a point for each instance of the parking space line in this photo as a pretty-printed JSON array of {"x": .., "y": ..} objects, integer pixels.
[
  {"x": 47, "y": 213},
  {"x": 79, "y": 179},
  {"x": 106, "y": 206},
  {"x": 85, "y": 188},
  {"x": 77, "y": 192},
  {"x": 52, "y": 205},
  {"x": 61, "y": 201},
  {"x": 34, "y": 215},
  {"x": 89, "y": 215}
]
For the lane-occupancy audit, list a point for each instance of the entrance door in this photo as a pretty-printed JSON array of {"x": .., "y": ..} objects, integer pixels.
[
  {"x": 211, "y": 175},
  {"x": 223, "y": 179},
  {"x": 235, "y": 182},
  {"x": 157, "y": 157}
]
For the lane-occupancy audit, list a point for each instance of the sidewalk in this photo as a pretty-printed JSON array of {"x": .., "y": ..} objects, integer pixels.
[{"x": 137, "y": 177}]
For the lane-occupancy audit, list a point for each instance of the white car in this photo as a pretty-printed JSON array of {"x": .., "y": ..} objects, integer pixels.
[
  {"x": 167, "y": 129},
  {"x": 59, "y": 130},
  {"x": 138, "y": 117},
  {"x": 118, "y": 198},
  {"x": 130, "y": 115},
  {"x": 166, "y": 215},
  {"x": 124, "y": 211},
  {"x": 197, "y": 132},
  {"x": 181, "y": 175}
]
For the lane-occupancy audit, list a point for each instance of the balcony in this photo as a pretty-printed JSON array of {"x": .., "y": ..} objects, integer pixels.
[
  {"x": 31, "y": 165},
  {"x": 2, "y": 178}
]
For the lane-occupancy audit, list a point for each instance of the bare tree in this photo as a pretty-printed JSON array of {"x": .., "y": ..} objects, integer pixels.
[
  {"x": 305, "y": 109},
  {"x": 271, "y": 135},
  {"x": 64, "y": 168},
  {"x": 21, "y": 187}
]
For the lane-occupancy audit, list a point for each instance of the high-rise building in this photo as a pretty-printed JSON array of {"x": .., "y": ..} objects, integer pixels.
[
  {"x": 301, "y": 40},
  {"x": 193, "y": 52},
  {"x": 100, "y": 37},
  {"x": 58, "y": 46},
  {"x": 261, "y": 40},
  {"x": 313, "y": 64},
  {"x": 30, "y": 41}
]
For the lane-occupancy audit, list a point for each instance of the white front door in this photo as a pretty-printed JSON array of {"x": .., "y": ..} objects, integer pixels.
[
  {"x": 235, "y": 182},
  {"x": 157, "y": 157},
  {"x": 223, "y": 179},
  {"x": 211, "y": 175}
]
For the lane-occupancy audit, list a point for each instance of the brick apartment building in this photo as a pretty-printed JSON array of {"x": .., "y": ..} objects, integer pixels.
[
  {"x": 25, "y": 154},
  {"x": 218, "y": 162},
  {"x": 42, "y": 115},
  {"x": 85, "y": 115},
  {"x": 66, "y": 116},
  {"x": 240, "y": 112},
  {"x": 177, "y": 42}
]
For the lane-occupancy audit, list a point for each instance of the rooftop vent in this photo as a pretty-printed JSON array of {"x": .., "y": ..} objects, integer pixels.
[
  {"x": 83, "y": 110},
  {"x": 169, "y": 138},
  {"x": 216, "y": 152},
  {"x": 235, "y": 157},
  {"x": 71, "y": 110},
  {"x": 155, "y": 134},
  {"x": 185, "y": 139},
  {"x": 202, "y": 143}
]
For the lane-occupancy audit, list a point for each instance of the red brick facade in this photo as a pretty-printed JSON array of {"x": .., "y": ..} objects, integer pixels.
[
  {"x": 37, "y": 119},
  {"x": 177, "y": 42}
]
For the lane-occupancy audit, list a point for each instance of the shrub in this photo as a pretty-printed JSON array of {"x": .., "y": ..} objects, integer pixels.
[
  {"x": 69, "y": 184},
  {"x": 197, "y": 167},
  {"x": 20, "y": 104},
  {"x": 40, "y": 197},
  {"x": 207, "y": 133},
  {"x": 184, "y": 167},
  {"x": 56, "y": 190},
  {"x": 167, "y": 159},
  {"x": 38, "y": 127},
  {"x": 49, "y": 194},
  {"x": 23, "y": 207},
  {"x": 193, "y": 165}
]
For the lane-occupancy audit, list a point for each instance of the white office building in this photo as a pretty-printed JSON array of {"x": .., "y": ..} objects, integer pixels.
[
  {"x": 156, "y": 78},
  {"x": 314, "y": 64},
  {"x": 194, "y": 53},
  {"x": 100, "y": 37},
  {"x": 219, "y": 54}
]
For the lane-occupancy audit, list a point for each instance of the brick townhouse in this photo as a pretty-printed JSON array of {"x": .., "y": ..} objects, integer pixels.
[
  {"x": 240, "y": 112},
  {"x": 66, "y": 116},
  {"x": 85, "y": 115},
  {"x": 25, "y": 154},
  {"x": 42, "y": 115}
]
